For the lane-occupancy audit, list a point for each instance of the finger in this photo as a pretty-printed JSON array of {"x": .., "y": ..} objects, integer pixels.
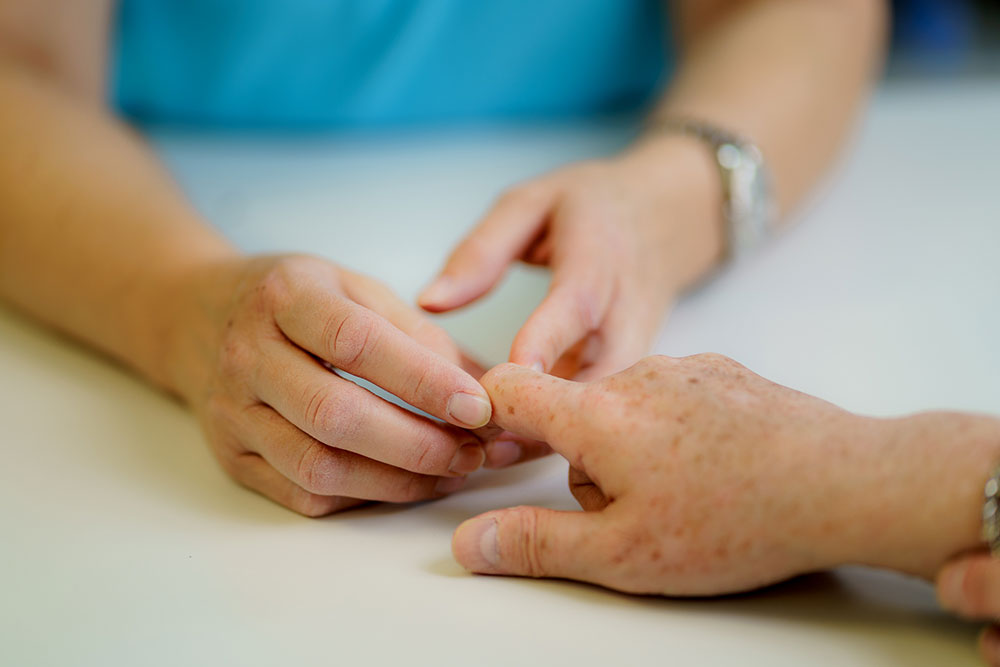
[
  {"x": 588, "y": 494},
  {"x": 578, "y": 299},
  {"x": 531, "y": 542},
  {"x": 989, "y": 645},
  {"x": 969, "y": 586},
  {"x": 481, "y": 259},
  {"x": 624, "y": 340},
  {"x": 508, "y": 448},
  {"x": 325, "y": 471},
  {"x": 375, "y": 296},
  {"x": 255, "y": 473},
  {"x": 339, "y": 413},
  {"x": 532, "y": 404},
  {"x": 363, "y": 343}
]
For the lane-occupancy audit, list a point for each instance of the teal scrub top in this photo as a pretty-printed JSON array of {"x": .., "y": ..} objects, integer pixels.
[{"x": 350, "y": 63}]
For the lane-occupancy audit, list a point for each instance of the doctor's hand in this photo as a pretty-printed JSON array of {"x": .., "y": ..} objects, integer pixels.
[
  {"x": 622, "y": 236},
  {"x": 253, "y": 352},
  {"x": 699, "y": 477}
]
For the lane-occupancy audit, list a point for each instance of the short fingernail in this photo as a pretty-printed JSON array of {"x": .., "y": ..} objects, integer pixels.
[
  {"x": 473, "y": 411},
  {"x": 951, "y": 585},
  {"x": 447, "y": 485},
  {"x": 479, "y": 551},
  {"x": 537, "y": 367},
  {"x": 438, "y": 291},
  {"x": 502, "y": 453},
  {"x": 467, "y": 459}
]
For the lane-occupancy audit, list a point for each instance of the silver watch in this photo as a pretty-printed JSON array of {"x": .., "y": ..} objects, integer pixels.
[{"x": 748, "y": 201}]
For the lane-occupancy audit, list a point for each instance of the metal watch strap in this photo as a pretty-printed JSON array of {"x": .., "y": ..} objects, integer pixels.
[
  {"x": 991, "y": 512},
  {"x": 747, "y": 206}
]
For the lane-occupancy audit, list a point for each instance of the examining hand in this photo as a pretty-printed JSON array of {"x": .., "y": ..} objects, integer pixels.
[
  {"x": 969, "y": 586},
  {"x": 699, "y": 477},
  {"x": 622, "y": 237},
  {"x": 283, "y": 424}
]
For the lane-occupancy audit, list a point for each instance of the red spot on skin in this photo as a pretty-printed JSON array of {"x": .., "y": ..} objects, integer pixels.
[
  {"x": 657, "y": 555},
  {"x": 693, "y": 380},
  {"x": 510, "y": 409}
]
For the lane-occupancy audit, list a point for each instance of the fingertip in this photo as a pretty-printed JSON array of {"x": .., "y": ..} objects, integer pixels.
[
  {"x": 470, "y": 410},
  {"x": 436, "y": 295},
  {"x": 475, "y": 545}
]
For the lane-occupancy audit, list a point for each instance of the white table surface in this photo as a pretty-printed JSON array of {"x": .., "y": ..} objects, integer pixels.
[{"x": 123, "y": 543}]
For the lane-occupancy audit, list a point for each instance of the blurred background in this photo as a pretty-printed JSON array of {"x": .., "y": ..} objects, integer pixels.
[{"x": 945, "y": 38}]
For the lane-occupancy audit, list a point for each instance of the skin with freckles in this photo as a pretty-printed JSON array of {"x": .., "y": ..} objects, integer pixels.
[{"x": 699, "y": 477}]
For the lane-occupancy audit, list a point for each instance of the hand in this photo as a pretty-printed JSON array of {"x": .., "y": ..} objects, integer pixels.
[
  {"x": 280, "y": 422},
  {"x": 622, "y": 237},
  {"x": 969, "y": 586},
  {"x": 697, "y": 477}
]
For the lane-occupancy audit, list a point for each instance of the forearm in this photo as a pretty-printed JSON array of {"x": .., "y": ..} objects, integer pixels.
[
  {"x": 788, "y": 74},
  {"x": 94, "y": 237}
]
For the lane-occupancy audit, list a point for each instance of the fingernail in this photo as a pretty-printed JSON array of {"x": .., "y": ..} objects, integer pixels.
[
  {"x": 447, "y": 485},
  {"x": 438, "y": 291},
  {"x": 950, "y": 586},
  {"x": 502, "y": 453},
  {"x": 467, "y": 459},
  {"x": 476, "y": 546},
  {"x": 537, "y": 367},
  {"x": 473, "y": 411}
]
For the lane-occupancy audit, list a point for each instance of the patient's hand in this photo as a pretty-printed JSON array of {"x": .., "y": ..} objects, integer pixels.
[
  {"x": 283, "y": 424},
  {"x": 622, "y": 237},
  {"x": 695, "y": 473},
  {"x": 700, "y": 477}
]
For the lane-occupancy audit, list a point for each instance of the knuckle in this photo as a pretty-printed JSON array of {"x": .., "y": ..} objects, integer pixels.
[
  {"x": 331, "y": 416},
  {"x": 715, "y": 360},
  {"x": 533, "y": 546},
  {"x": 315, "y": 469},
  {"x": 351, "y": 336},
  {"x": 426, "y": 453}
]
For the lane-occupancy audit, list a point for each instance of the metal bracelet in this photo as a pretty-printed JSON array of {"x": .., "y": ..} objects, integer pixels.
[{"x": 991, "y": 512}]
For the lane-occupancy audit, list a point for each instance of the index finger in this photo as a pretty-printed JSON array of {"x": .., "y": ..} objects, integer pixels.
[
  {"x": 533, "y": 404},
  {"x": 365, "y": 344}
]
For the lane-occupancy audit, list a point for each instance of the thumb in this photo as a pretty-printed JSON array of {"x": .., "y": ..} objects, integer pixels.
[
  {"x": 531, "y": 403},
  {"x": 530, "y": 542},
  {"x": 969, "y": 586},
  {"x": 481, "y": 259}
]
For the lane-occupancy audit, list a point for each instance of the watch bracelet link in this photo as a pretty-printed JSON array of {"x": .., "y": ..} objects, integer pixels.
[{"x": 991, "y": 512}]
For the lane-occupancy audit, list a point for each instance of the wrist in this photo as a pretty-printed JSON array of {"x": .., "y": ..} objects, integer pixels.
[
  {"x": 195, "y": 306},
  {"x": 911, "y": 490},
  {"x": 678, "y": 178}
]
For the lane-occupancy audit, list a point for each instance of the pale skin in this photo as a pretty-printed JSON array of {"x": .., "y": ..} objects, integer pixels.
[
  {"x": 699, "y": 477},
  {"x": 97, "y": 241}
]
